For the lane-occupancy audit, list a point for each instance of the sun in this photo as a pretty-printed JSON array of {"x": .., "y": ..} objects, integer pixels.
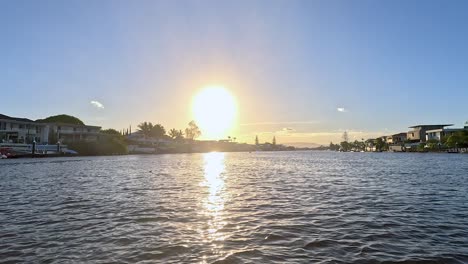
[{"x": 215, "y": 111}]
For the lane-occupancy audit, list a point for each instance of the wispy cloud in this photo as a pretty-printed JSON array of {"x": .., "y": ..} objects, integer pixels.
[
  {"x": 341, "y": 109},
  {"x": 280, "y": 123},
  {"x": 97, "y": 104}
]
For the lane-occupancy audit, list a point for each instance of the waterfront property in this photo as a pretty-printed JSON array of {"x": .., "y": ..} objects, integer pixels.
[
  {"x": 418, "y": 134},
  {"x": 70, "y": 133},
  {"x": 21, "y": 130},
  {"x": 396, "y": 138},
  {"x": 26, "y": 131},
  {"x": 439, "y": 134}
]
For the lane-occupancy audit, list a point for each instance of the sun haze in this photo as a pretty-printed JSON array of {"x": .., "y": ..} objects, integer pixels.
[{"x": 214, "y": 109}]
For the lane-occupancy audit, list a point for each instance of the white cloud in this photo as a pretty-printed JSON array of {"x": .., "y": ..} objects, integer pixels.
[
  {"x": 341, "y": 109},
  {"x": 97, "y": 104}
]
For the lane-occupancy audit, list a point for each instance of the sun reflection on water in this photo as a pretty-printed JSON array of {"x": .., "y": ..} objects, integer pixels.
[{"x": 214, "y": 203}]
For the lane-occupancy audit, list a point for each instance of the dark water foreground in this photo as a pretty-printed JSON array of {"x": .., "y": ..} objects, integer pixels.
[{"x": 295, "y": 207}]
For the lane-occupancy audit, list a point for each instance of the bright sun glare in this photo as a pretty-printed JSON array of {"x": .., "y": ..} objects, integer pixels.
[{"x": 215, "y": 111}]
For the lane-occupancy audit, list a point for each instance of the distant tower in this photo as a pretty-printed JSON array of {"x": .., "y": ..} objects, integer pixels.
[
  {"x": 256, "y": 140},
  {"x": 345, "y": 137},
  {"x": 274, "y": 141}
]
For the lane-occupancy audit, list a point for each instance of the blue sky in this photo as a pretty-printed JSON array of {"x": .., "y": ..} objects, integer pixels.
[{"x": 291, "y": 64}]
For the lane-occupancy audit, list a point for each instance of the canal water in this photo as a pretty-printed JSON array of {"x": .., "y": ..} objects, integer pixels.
[{"x": 261, "y": 207}]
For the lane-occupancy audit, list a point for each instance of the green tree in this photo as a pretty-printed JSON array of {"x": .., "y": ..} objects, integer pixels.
[
  {"x": 157, "y": 131},
  {"x": 106, "y": 145},
  {"x": 345, "y": 146},
  {"x": 66, "y": 119},
  {"x": 176, "y": 134},
  {"x": 146, "y": 128},
  {"x": 111, "y": 131},
  {"x": 433, "y": 144},
  {"x": 454, "y": 141},
  {"x": 379, "y": 144},
  {"x": 192, "y": 131},
  {"x": 421, "y": 147}
]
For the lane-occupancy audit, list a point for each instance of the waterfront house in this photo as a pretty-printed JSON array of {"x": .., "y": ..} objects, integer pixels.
[
  {"x": 396, "y": 142},
  {"x": 438, "y": 134},
  {"x": 70, "y": 133},
  {"x": 370, "y": 145},
  {"x": 418, "y": 134},
  {"x": 138, "y": 142},
  {"x": 25, "y": 131},
  {"x": 396, "y": 139},
  {"x": 21, "y": 130}
]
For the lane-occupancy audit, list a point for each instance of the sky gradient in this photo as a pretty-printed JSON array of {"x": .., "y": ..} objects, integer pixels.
[{"x": 304, "y": 71}]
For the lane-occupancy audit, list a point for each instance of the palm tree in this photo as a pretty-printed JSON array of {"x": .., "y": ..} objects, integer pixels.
[
  {"x": 176, "y": 134},
  {"x": 146, "y": 128},
  {"x": 173, "y": 133}
]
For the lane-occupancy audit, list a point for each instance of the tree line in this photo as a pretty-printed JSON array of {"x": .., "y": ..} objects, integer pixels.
[{"x": 158, "y": 131}]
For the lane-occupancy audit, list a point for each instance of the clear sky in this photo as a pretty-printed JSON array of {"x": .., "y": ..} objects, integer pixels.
[{"x": 304, "y": 71}]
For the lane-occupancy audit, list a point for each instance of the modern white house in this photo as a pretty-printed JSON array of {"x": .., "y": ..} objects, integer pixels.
[
  {"x": 70, "y": 133},
  {"x": 21, "y": 130},
  {"x": 25, "y": 131},
  {"x": 418, "y": 134},
  {"x": 438, "y": 134}
]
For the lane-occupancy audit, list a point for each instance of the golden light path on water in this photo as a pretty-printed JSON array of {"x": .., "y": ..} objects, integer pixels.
[{"x": 213, "y": 204}]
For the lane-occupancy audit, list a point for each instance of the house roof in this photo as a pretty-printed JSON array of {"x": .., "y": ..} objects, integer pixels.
[
  {"x": 5, "y": 117},
  {"x": 443, "y": 125}
]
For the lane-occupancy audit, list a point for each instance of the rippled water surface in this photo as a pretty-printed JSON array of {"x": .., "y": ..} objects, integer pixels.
[{"x": 296, "y": 207}]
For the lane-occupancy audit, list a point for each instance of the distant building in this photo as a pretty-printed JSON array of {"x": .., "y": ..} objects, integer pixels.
[
  {"x": 396, "y": 139},
  {"x": 139, "y": 138},
  {"x": 370, "y": 145},
  {"x": 418, "y": 134}
]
